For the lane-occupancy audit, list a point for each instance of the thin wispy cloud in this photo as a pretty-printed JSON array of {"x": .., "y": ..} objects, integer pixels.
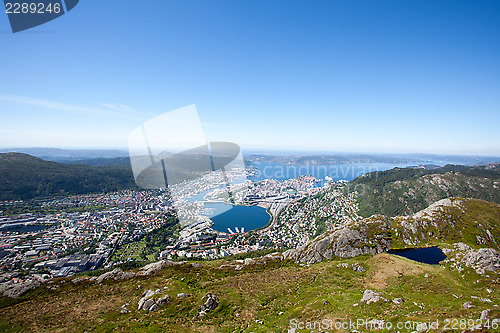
[
  {"x": 126, "y": 109},
  {"x": 121, "y": 111}
]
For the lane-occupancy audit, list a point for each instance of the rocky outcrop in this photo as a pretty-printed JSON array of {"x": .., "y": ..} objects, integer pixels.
[
  {"x": 15, "y": 290},
  {"x": 115, "y": 274},
  {"x": 211, "y": 303},
  {"x": 157, "y": 266},
  {"x": 80, "y": 279},
  {"x": 369, "y": 236},
  {"x": 118, "y": 274},
  {"x": 249, "y": 262},
  {"x": 448, "y": 220},
  {"x": 486, "y": 259},
  {"x": 148, "y": 302},
  {"x": 480, "y": 260}
]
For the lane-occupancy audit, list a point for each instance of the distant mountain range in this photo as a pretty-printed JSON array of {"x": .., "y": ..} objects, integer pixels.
[
  {"x": 68, "y": 155},
  {"x": 26, "y": 177},
  {"x": 400, "y": 191},
  {"x": 101, "y": 157},
  {"x": 345, "y": 158}
]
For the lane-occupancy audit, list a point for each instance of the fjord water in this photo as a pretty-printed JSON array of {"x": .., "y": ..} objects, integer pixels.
[
  {"x": 248, "y": 217},
  {"x": 426, "y": 255},
  {"x": 255, "y": 217},
  {"x": 347, "y": 171}
]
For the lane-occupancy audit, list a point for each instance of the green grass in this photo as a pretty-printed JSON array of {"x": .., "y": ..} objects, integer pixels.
[{"x": 255, "y": 293}]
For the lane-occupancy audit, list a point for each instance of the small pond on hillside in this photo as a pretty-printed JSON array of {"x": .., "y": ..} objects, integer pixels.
[{"x": 427, "y": 255}]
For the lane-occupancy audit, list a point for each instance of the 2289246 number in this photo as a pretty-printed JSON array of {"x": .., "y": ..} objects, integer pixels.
[{"x": 32, "y": 8}]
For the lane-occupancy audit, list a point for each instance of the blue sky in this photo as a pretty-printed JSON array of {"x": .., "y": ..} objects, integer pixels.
[{"x": 364, "y": 76}]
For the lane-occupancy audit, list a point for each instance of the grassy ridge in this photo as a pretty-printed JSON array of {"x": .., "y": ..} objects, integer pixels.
[
  {"x": 256, "y": 299},
  {"x": 474, "y": 222},
  {"x": 405, "y": 191}
]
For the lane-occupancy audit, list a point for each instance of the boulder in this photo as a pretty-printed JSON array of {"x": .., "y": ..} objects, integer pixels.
[
  {"x": 148, "y": 304},
  {"x": 183, "y": 295},
  {"x": 467, "y": 305},
  {"x": 370, "y": 296},
  {"x": 398, "y": 300},
  {"x": 484, "y": 315},
  {"x": 211, "y": 302},
  {"x": 145, "y": 296},
  {"x": 163, "y": 300},
  {"x": 148, "y": 293}
]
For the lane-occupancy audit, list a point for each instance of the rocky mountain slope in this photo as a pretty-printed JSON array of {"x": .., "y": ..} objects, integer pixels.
[
  {"x": 264, "y": 295},
  {"x": 471, "y": 221},
  {"x": 274, "y": 294},
  {"x": 368, "y": 236},
  {"x": 405, "y": 191}
]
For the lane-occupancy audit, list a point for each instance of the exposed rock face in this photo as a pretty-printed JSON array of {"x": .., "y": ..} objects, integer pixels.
[
  {"x": 19, "y": 289},
  {"x": 183, "y": 295},
  {"x": 481, "y": 260},
  {"x": 462, "y": 246},
  {"x": 114, "y": 274},
  {"x": 485, "y": 258},
  {"x": 148, "y": 293},
  {"x": 369, "y": 236},
  {"x": 80, "y": 279},
  {"x": 156, "y": 266}
]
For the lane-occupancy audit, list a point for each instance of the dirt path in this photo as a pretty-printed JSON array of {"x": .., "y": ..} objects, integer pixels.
[{"x": 387, "y": 267}]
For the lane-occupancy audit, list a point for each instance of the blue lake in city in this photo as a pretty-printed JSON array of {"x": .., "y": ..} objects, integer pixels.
[
  {"x": 426, "y": 255},
  {"x": 248, "y": 217}
]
